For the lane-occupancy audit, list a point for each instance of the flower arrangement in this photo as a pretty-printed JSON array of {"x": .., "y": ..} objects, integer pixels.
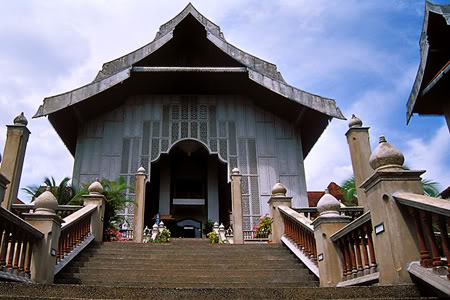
[
  {"x": 264, "y": 228},
  {"x": 112, "y": 234},
  {"x": 213, "y": 237}
]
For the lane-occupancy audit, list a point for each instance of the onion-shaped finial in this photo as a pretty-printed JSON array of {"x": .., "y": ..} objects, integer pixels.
[
  {"x": 386, "y": 155},
  {"x": 46, "y": 203},
  {"x": 354, "y": 122},
  {"x": 279, "y": 190},
  {"x": 96, "y": 188},
  {"x": 328, "y": 205},
  {"x": 20, "y": 120}
]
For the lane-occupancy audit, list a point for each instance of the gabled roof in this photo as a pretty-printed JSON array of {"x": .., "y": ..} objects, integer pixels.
[
  {"x": 432, "y": 68},
  {"x": 119, "y": 75}
]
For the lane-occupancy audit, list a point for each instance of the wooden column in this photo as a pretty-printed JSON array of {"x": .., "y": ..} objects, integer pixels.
[
  {"x": 236, "y": 207},
  {"x": 139, "y": 210}
]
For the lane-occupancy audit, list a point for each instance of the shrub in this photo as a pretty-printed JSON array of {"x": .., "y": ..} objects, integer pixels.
[{"x": 213, "y": 237}]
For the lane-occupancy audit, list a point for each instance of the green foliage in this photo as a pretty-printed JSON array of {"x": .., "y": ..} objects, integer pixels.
[
  {"x": 213, "y": 237},
  {"x": 114, "y": 192},
  {"x": 164, "y": 237},
  {"x": 63, "y": 191},
  {"x": 348, "y": 189},
  {"x": 208, "y": 227},
  {"x": 430, "y": 188}
]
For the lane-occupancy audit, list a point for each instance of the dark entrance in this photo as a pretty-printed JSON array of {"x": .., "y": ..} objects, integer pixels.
[{"x": 188, "y": 187}]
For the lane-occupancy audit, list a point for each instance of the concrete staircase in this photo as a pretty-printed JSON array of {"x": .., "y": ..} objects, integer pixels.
[{"x": 191, "y": 269}]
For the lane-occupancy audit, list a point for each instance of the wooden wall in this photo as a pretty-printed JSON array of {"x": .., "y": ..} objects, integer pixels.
[{"x": 260, "y": 144}]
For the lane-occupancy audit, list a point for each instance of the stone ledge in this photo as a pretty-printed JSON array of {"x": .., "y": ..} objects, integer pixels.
[
  {"x": 439, "y": 282},
  {"x": 363, "y": 280}
]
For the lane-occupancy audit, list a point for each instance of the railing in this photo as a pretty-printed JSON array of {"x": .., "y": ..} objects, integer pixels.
[
  {"x": 355, "y": 242},
  {"x": 17, "y": 238},
  {"x": 429, "y": 213},
  {"x": 62, "y": 211},
  {"x": 298, "y": 230},
  {"x": 126, "y": 234},
  {"x": 75, "y": 235},
  {"x": 351, "y": 211},
  {"x": 251, "y": 235}
]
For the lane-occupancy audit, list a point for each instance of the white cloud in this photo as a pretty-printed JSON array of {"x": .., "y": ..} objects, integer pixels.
[{"x": 430, "y": 154}]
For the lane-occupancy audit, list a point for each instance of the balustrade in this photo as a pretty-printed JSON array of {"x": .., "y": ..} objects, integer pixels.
[
  {"x": 302, "y": 235},
  {"x": 17, "y": 238},
  {"x": 76, "y": 229},
  {"x": 432, "y": 219},
  {"x": 312, "y": 213},
  {"x": 356, "y": 247}
]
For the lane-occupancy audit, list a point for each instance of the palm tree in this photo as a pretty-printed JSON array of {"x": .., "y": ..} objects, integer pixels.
[
  {"x": 63, "y": 191},
  {"x": 348, "y": 188},
  {"x": 114, "y": 192}
]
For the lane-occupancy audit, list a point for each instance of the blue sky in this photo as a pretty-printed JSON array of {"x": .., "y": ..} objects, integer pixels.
[{"x": 363, "y": 54}]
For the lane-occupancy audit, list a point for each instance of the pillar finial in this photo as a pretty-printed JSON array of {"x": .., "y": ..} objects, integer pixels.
[
  {"x": 20, "y": 120},
  {"x": 46, "y": 203},
  {"x": 386, "y": 156},
  {"x": 328, "y": 205},
  {"x": 141, "y": 170},
  {"x": 95, "y": 188},
  {"x": 354, "y": 122},
  {"x": 278, "y": 189}
]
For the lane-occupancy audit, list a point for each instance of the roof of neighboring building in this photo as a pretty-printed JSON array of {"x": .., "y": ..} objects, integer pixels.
[
  {"x": 434, "y": 58},
  {"x": 333, "y": 189},
  {"x": 241, "y": 73},
  {"x": 445, "y": 194}
]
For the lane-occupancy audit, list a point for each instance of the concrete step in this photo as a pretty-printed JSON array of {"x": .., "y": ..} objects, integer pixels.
[
  {"x": 77, "y": 267},
  {"x": 201, "y": 276},
  {"x": 189, "y": 284},
  {"x": 190, "y": 272},
  {"x": 183, "y": 243},
  {"x": 20, "y": 291},
  {"x": 213, "y": 252},
  {"x": 181, "y": 260},
  {"x": 187, "y": 255}
]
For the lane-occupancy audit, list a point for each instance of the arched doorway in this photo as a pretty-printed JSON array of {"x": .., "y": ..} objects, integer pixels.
[{"x": 188, "y": 186}]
